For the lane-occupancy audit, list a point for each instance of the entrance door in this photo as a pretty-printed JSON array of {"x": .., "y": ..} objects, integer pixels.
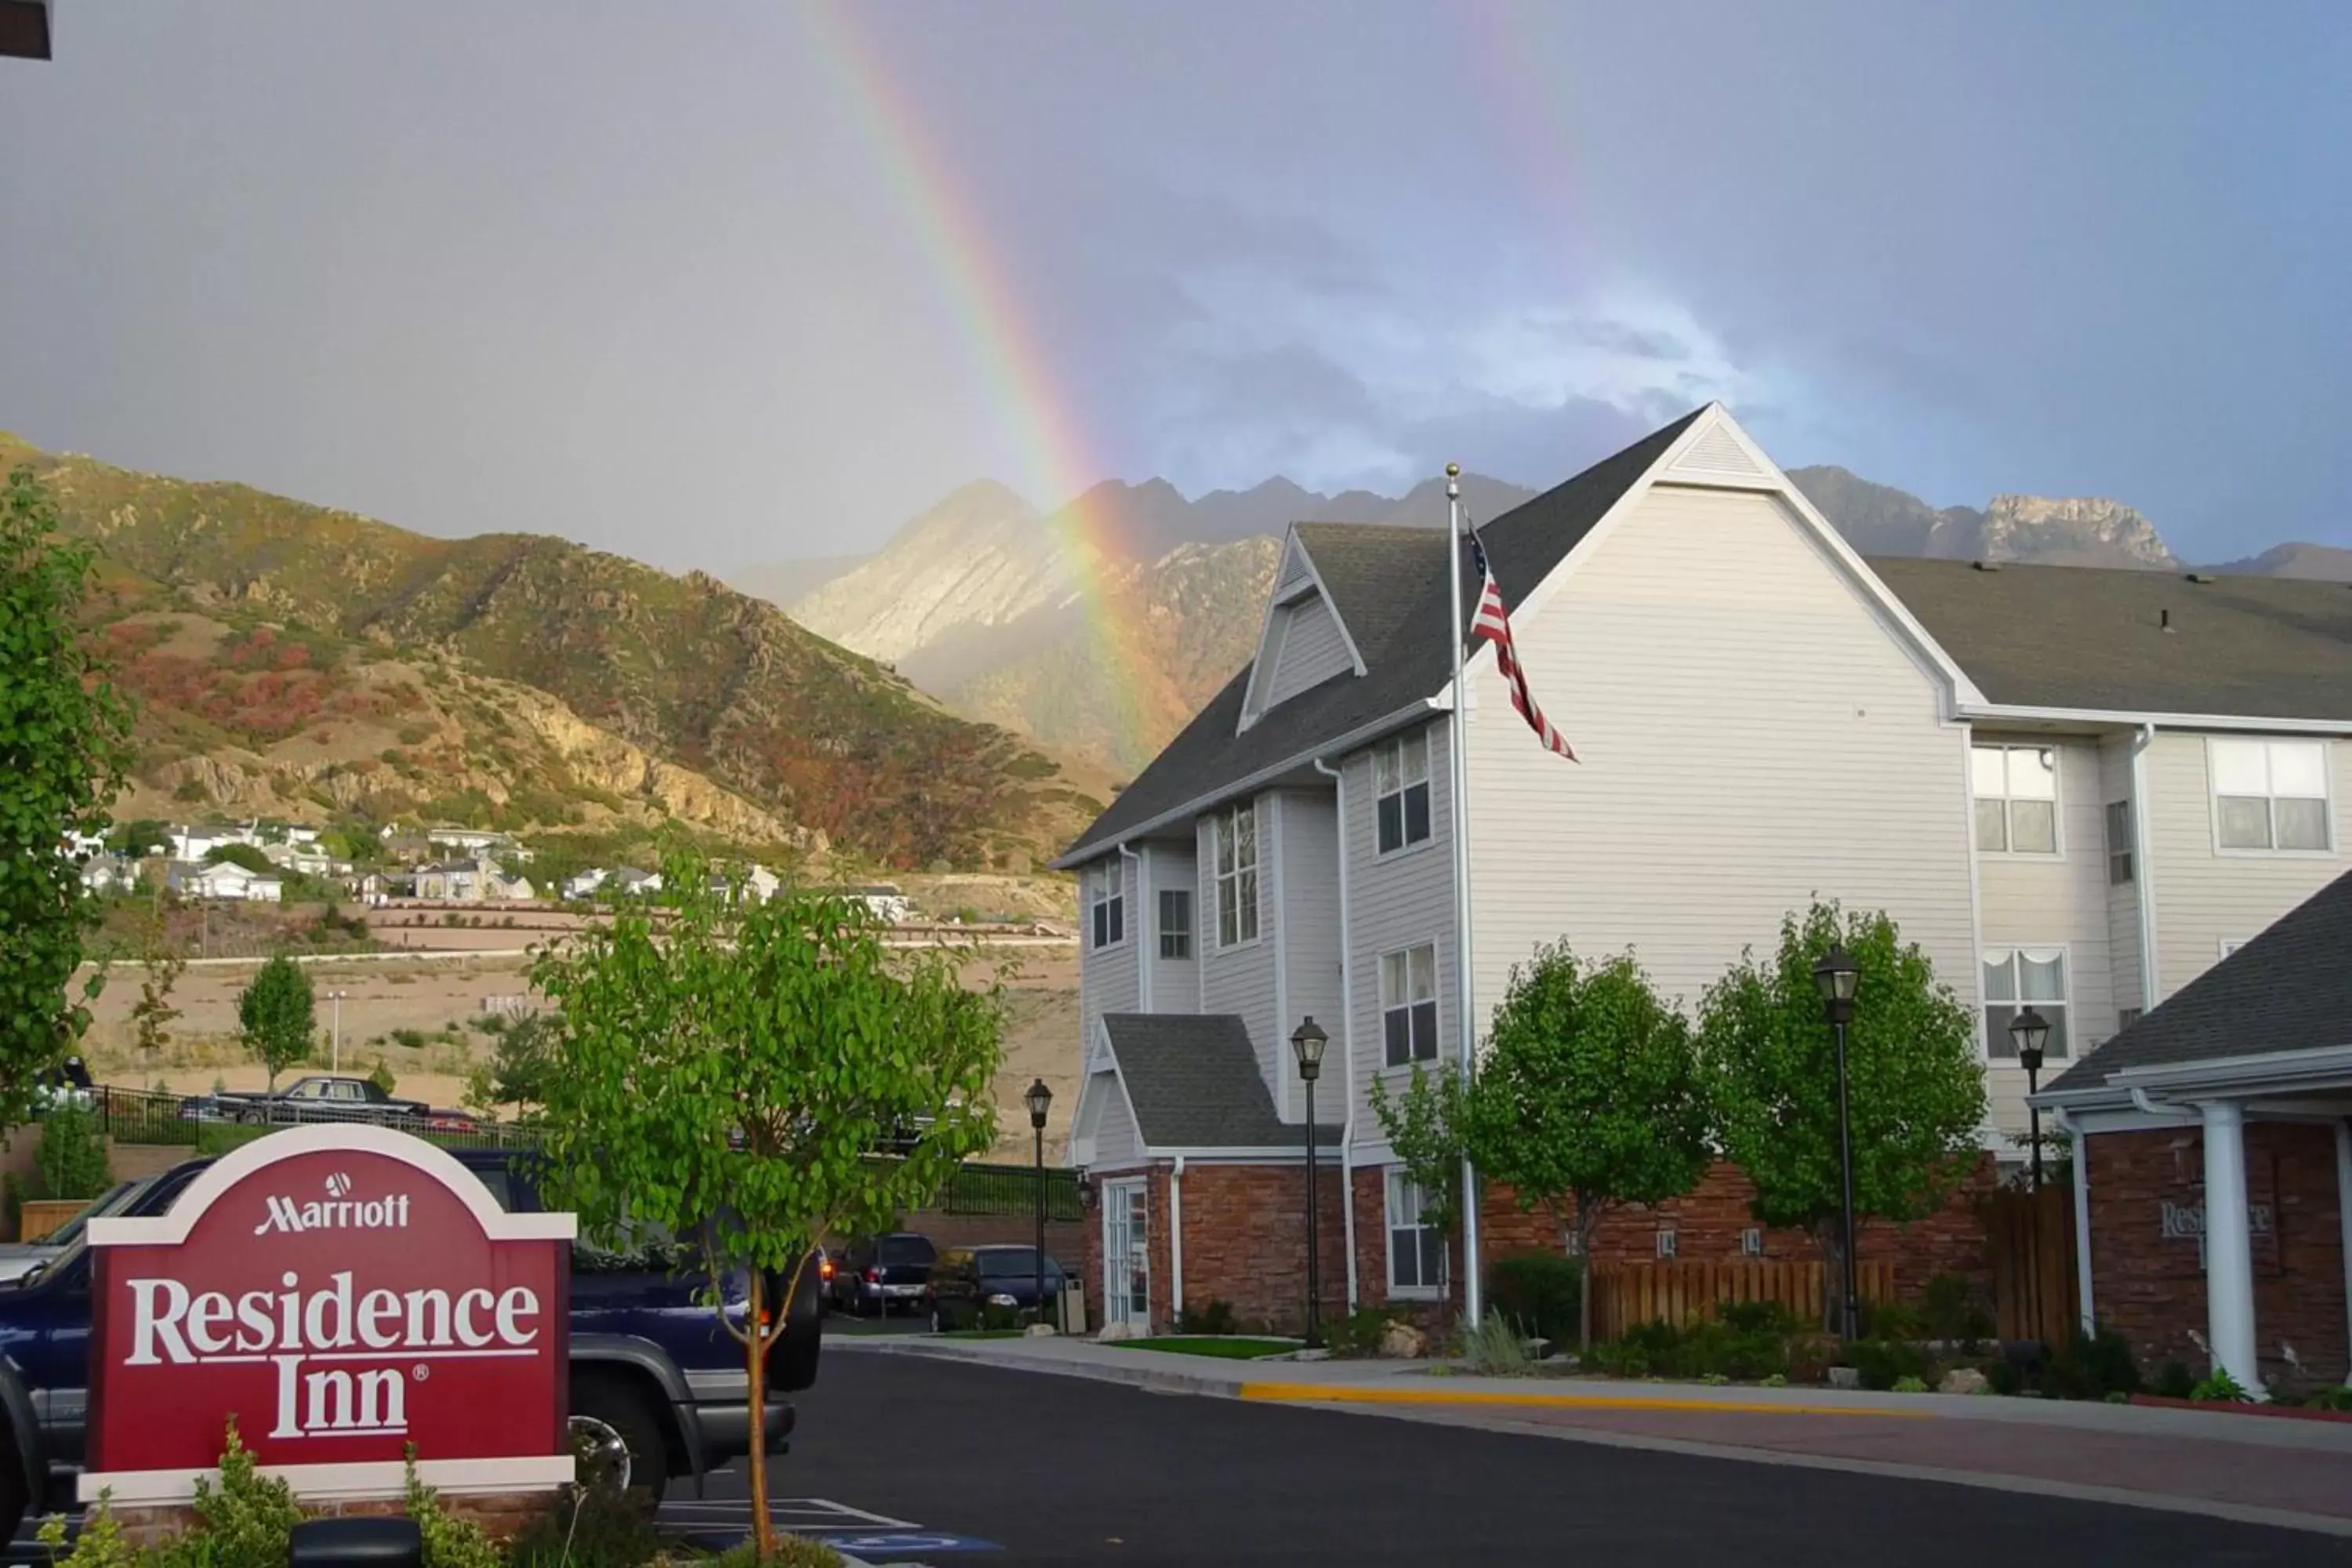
[{"x": 1127, "y": 1254}]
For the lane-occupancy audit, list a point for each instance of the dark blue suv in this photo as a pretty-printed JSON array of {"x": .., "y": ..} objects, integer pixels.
[{"x": 659, "y": 1388}]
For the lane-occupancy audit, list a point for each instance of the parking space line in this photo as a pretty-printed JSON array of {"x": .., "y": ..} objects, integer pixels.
[{"x": 1341, "y": 1394}]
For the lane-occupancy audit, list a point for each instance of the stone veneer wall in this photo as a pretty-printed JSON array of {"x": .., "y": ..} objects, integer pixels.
[{"x": 2152, "y": 1288}]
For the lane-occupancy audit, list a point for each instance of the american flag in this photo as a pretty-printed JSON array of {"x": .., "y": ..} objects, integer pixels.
[{"x": 1493, "y": 622}]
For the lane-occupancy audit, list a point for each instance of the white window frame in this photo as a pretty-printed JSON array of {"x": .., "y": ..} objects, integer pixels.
[
  {"x": 2068, "y": 1004},
  {"x": 1409, "y": 1003},
  {"x": 1165, "y": 932},
  {"x": 1106, "y": 904},
  {"x": 1231, "y": 876},
  {"x": 2270, "y": 743},
  {"x": 2057, "y": 850},
  {"x": 1395, "y": 1186},
  {"x": 2125, "y": 856},
  {"x": 1390, "y": 758}
]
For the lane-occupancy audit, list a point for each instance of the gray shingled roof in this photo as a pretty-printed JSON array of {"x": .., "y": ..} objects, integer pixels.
[
  {"x": 1192, "y": 1079},
  {"x": 2289, "y": 989},
  {"x": 2086, "y": 636},
  {"x": 1388, "y": 583}
]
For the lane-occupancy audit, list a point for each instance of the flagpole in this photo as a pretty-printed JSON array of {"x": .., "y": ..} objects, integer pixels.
[{"x": 1459, "y": 751}]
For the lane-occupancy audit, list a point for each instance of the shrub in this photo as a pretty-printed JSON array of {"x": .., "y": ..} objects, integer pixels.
[
  {"x": 248, "y": 1519},
  {"x": 1910, "y": 1385},
  {"x": 1883, "y": 1363},
  {"x": 2332, "y": 1396},
  {"x": 71, "y": 1162},
  {"x": 1704, "y": 1350},
  {"x": 382, "y": 1075},
  {"x": 1955, "y": 1311},
  {"x": 2175, "y": 1381},
  {"x": 592, "y": 1527},
  {"x": 1215, "y": 1318},
  {"x": 1497, "y": 1347},
  {"x": 792, "y": 1551},
  {"x": 1757, "y": 1318},
  {"x": 2219, "y": 1388},
  {"x": 2093, "y": 1366},
  {"x": 412, "y": 1038},
  {"x": 449, "y": 1542},
  {"x": 1777, "y": 1380},
  {"x": 1892, "y": 1321},
  {"x": 2005, "y": 1377},
  {"x": 1539, "y": 1290},
  {"x": 1359, "y": 1334}
]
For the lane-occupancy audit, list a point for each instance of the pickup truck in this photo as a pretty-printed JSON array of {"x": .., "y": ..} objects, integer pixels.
[
  {"x": 659, "y": 1388},
  {"x": 324, "y": 1098}
]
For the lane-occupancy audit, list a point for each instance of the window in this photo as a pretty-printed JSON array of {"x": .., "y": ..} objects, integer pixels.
[
  {"x": 2119, "y": 842},
  {"x": 1409, "y": 1004},
  {"x": 1416, "y": 1251},
  {"x": 1106, "y": 902},
  {"x": 2016, "y": 978},
  {"x": 1666, "y": 1244},
  {"x": 1401, "y": 779},
  {"x": 1751, "y": 1242},
  {"x": 2270, "y": 794},
  {"x": 1237, "y": 875},
  {"x": 2125, "y": 1018},
  {"x": 1175, "y": 922},
  {"x": 2016, "y": 790}
]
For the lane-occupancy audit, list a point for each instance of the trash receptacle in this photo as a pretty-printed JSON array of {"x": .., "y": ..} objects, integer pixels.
[{"x": 1074, "y": 1306}]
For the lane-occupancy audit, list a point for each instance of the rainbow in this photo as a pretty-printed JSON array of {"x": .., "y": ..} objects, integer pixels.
[{"x": 1005, "y": 355}]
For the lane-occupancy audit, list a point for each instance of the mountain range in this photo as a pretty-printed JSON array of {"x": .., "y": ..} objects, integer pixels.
[
  {"x": 1101, "y": 629},
  {"x": 302, "y": 660}
]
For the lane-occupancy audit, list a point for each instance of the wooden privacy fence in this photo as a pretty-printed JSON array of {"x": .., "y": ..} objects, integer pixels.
[
  {"x": 2030, "y": 1251},
  {"x": 1626, "y": 1295}
]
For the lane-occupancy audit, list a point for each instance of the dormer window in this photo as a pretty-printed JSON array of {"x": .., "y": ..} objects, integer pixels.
[{"x": 1401, "y": 780}]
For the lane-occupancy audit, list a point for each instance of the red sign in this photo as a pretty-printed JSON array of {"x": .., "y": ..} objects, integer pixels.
[{"x": 343, "y": 1292}]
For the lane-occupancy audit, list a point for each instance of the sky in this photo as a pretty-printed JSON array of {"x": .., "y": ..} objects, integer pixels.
[{"x": 717, "y": 283}]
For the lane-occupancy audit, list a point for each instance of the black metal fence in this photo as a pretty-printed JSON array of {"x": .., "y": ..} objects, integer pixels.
[{"x": 1010, "y": 1190}]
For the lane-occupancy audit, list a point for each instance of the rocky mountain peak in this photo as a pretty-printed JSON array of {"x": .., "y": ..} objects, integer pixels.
[{"x": 2074, "y": 530}]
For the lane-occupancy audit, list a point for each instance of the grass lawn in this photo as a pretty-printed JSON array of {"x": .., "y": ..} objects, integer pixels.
[{"x": 1226, "y": 1347}]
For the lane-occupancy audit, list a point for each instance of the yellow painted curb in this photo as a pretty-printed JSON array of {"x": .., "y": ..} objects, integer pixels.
[{"x": 1339, "y": 1394}]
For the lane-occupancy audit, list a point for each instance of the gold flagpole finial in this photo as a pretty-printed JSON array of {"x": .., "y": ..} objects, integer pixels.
[{"x": 1453, "y": 478}]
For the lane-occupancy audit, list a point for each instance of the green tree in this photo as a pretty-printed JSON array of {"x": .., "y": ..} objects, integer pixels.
[
  {"x": 64, "y": 742},
  {"x": 523, "y": 1060},
  {"x": 1915, "y": 1089},
  {"x": 1423, "y": 1127},
  {"x": 731, "y": 1079},
  {"x": 1589, "y": 1095},
  {"x": 276, "y": 1018},
  {"x": 246, "y": 855},
  {"x": 151, "y": 1015}
]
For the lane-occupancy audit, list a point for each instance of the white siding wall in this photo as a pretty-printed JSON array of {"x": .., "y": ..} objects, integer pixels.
[
  {"x": 1752, "y": 735},
  {"x": 1308, "y": 649},
  {"x": 2122, "y": 898},
  {"x": 2204, "y": 897},
  {"x": 1398, "y": 901},
  {"x": 2029, "y": 900},
  {"x": 1175, "y": 982},
  {"x": 1307, "y": 935},
  {"x": 1116, "y": 1141},
  {"x": 1240, "y": 979},
  {"x": 1107, "y": 979}
]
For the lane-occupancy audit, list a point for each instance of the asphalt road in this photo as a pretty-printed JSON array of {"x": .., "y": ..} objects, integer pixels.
[{"x": 1062, "y": 1470}]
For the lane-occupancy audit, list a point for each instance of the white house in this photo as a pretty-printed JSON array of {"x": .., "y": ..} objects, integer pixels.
[
  {"x": 195, "y": 843},
  {"x": 630, "y": 883},
  {"x": 2071, "y": 787},
  {"x": 884, "y": 900},
  {"x": 586, "y": 883},
  {"x": 226, "y": 881},
  {"x": 104, "y": 873},
  {"x": 469, "y": 881}
]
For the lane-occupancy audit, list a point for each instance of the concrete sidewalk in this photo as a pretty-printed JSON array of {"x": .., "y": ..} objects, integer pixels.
[{"x": 2261, "y": 1469}]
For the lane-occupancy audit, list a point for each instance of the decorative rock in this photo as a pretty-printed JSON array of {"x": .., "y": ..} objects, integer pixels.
[
  {"x": 1963, "y": 1380},
  {"x": 1041, "y": 1330},
  {"x": 1402, "y": 1342},
  {"x": 1845, "y": 1377},
  {"x": 1114, "y": 1333},
  {"x": 1318, "y": 1353}
]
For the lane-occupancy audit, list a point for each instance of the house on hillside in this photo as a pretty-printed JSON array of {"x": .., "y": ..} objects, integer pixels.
[
  {"x": 884, "y": 900},
  {"x": 2072, "y": 787},
  {"x": 469, "y": 882},
  {"x": 224, "y": 880},
  {"x": 631, "y": 883},
  {"x": 585, "y": 884},
  {"x": 479, "y": 843},
  {"x": 195, "y": 843},
  {"x": 105, "y": 873},
  {"x": 2240, "y": 1084}
]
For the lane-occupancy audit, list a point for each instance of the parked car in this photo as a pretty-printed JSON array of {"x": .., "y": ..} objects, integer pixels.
[
  {"x": 879, "y": 1272},
  {"x": 658, "y": 1388},
  {"x": 19, "y": 1259},
  {"x": 325, "y": 1096},
  {"x": 968, "y": 1280}
]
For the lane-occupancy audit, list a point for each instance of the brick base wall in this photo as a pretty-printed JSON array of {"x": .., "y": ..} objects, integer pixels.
[
  {"x": 501, "y": 1515},
  {"x": 2152, "y": 1288},
  {"x": 1244, "y": 1244}
]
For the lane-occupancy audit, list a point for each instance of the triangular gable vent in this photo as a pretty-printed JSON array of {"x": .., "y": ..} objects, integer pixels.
[{"x": 1716, "y": 453}]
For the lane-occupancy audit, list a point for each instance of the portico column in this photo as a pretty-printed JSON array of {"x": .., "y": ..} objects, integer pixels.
[{"x": 2229, "y": 1246}]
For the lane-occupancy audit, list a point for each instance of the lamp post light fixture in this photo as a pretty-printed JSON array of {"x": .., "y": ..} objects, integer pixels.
[
  {"x": 335, "y": 1035},
  {"x": 1306, "y": 1042},
  {"x": 1838, "y": 977},
  {"x": 1040, "y": 1100},
  {"x": 2030, "y": 1031}
]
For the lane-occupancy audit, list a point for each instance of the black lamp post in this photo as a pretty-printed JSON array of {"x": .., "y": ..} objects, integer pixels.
[
  {"x": 1838, "y": 975},
  {"x": 1308, "y": 1042},
  {"x": 2030, "y": 1031},
  {"x": 1040, "y": 1099}
]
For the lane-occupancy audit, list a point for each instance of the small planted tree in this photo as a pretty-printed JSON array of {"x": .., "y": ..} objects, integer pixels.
[
  {"x": 1423, "y": 1127},
  {"x": 276, "y": 1018},
  {"x": 731, "y": 1078},
  {"x": 1915, "y": 1089},
  {"x": 64, "y": 741},
  {"x": 1588, "y": 1097}
]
